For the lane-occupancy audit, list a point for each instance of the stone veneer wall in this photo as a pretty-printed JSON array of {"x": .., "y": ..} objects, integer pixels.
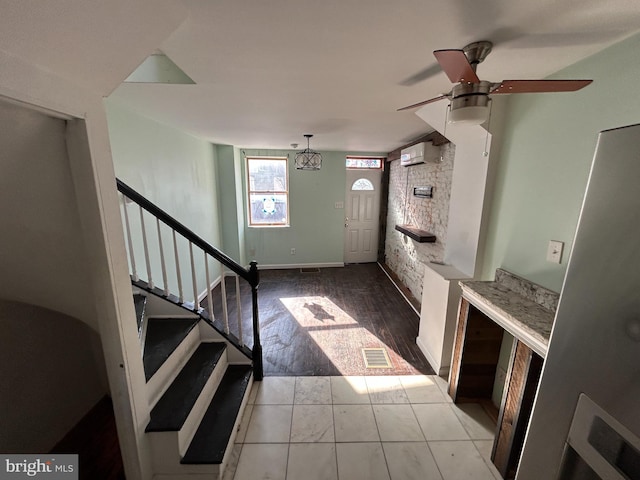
[{"x": 404, "y": 256}]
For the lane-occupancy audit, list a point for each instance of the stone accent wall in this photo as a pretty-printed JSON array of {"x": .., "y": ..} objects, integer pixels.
[{"x": 404, "y": 256}]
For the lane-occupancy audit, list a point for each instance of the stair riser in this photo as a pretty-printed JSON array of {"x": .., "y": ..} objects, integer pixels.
[
  {"x": 229, "y": 451},
  {"x": 162, "y": 379},
  {"x": 168, "y": 447},
  {"x": 158, "y": 307},
  {"x": 197, "y": 412},
  {"x": 208, "y": 334},
  {"x": 166, "y": 461}
]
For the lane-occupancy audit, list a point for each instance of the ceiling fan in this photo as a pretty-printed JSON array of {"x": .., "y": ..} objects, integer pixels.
[{"x": 470, "y": 96}]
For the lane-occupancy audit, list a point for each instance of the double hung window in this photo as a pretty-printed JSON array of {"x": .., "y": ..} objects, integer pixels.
[{"x": 268, "y": 190}]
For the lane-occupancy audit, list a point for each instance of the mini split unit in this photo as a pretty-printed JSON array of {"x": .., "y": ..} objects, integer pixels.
[{"x": 424, "y": 152}]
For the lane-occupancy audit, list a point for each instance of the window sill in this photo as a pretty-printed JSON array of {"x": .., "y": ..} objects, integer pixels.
[{"x": 269, "y": 226}]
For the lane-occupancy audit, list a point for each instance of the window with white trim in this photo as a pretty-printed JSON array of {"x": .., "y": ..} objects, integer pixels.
[{"x": 268, "y": 191}]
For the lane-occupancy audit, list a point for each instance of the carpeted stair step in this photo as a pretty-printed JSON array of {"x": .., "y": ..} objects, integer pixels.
[
  {"x": 173, "y": 408},
  {"x": 163, "y": 337},
  {"x": 212, "y": 437}
]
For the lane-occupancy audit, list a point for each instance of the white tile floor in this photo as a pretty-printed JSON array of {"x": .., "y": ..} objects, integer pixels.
[{"x": 352, "y": 428}]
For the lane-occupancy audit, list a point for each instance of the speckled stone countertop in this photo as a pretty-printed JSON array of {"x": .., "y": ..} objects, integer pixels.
[{"x": 521, "y": 307}]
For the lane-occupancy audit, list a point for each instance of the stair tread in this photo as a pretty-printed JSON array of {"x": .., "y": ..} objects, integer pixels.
[
  {"x": 212, "y": 437},
  {"x": 188, "y": 306},
  {"x": 173, "y": 408},
  {"x": 163, "y": 337},
  {"x": 139, "y": 302}
]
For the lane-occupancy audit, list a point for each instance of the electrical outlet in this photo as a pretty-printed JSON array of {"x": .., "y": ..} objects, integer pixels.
[
  {"x": 554, "y": 251},
  {"x": 293, "y": 251}
]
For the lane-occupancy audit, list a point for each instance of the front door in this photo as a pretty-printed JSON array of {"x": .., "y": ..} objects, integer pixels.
[{"x": 362, "y": 212}]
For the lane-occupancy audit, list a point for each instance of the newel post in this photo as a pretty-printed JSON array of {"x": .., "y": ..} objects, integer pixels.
[{"x": 257, "y": 346}]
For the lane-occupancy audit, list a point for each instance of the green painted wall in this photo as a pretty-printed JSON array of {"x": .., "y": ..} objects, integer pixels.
[
  {"x": 227, "y": 187},
  {"x": 238, "y": 160},
  {"x": 177, "y": 172},
  {"x": 203, "y": 186},
  {"x": 316, "y": 228},
  {"x": 546, "y": 157}
]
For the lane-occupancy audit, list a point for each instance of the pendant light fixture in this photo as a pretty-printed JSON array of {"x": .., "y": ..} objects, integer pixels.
[{"x": 308, "y": 159}]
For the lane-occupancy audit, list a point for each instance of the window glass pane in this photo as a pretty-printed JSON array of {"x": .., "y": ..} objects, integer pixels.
[
  {"x": 267, "y": 175},
  {"x": 362, "y": 184},
  {"x": 268, "y": 191},
  {"x": 268, "y": 209},
  {"x": 361, "y": 162}
]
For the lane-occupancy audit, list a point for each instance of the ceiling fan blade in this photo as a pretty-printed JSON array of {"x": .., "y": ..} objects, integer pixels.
[
  {"x": 423, "y": 74},
  {"x": 456, "y": 65},
  {"x": 416, "y": 105},
  {"x": 540, "y": 86}
]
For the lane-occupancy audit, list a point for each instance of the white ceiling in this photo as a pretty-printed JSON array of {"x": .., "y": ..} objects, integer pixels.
[{"x": 267, "y": 72}]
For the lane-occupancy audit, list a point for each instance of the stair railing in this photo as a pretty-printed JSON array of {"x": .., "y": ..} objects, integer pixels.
[{"x": 137, "y": 238}]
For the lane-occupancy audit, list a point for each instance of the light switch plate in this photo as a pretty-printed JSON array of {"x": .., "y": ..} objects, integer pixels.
[
  {"x": 339, "y": 204},
  {"x": 554, "y": 251}
]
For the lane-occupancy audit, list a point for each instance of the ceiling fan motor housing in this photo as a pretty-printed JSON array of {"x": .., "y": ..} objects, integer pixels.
[
  {"x": 470, "y": 97},
  {"x": 476, "y": 52}
]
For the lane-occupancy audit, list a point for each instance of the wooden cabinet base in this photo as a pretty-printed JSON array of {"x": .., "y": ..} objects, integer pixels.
[
  {"x": 475, "y": 356},
  {"x": 473, "y": 368},
  {"x": 517, "y": 402}
]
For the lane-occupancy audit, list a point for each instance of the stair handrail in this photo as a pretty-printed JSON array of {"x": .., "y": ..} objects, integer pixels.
[
  {"x": 154, "y": 210},
  {"x": 251, "y": 275}
]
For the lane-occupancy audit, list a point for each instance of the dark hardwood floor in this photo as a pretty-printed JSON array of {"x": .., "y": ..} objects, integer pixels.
[{"x": 318, "y": 322}]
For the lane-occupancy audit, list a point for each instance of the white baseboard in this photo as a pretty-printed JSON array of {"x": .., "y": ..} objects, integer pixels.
[
  {"x": 399, "y": 290},
  {"x": 300, "y": 265},
  {"x": 437, "y": 367},
  {"x": 214, "y": 284}
]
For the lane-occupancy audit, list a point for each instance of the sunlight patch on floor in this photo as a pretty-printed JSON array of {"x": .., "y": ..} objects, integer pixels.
[
  {"x": 317, "y": 312},
  {"x": 337, "y": 333}
]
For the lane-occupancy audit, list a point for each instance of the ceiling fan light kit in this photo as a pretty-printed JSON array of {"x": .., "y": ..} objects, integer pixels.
[
  {"x": 308, "y": 159},
  {"x": 473, "y": 115},
  {"x": 469, "y": 103},
  {"x": 469, "y": 97}
]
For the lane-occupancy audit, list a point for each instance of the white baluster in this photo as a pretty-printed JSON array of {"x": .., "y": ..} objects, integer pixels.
[
  {"x": 178, "y": 275},
  {"x": 239, "y": 307},
  {"x": 146, "y": 248},
  {"x": 132, "y": 258},
  {"x": 193, "y": 278},
  {"x": 162, "y": 263},
  {"x": 209, "y": 299},
  {"x": 225, "y": 309}
]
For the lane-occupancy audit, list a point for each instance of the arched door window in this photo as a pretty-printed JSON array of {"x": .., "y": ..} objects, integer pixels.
[{"x": 362, "y": 184}]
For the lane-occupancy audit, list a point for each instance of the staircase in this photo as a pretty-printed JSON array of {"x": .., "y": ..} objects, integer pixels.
[
  {"x": 198, "y": 368},
  {"x": 197, "y": 385}
]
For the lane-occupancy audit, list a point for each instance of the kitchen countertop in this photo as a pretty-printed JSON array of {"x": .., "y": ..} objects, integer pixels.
[{"x": 522, "y": 308}]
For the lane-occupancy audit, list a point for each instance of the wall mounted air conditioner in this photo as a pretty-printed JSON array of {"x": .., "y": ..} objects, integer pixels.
[{"x": 419, "y": 153}]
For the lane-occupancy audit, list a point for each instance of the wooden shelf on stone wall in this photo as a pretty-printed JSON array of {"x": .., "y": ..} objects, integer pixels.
[{"x": 420, "y": 236}]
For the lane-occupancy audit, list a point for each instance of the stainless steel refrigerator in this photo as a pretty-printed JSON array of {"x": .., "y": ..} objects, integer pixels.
[{"x": 586, "y": 418}]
